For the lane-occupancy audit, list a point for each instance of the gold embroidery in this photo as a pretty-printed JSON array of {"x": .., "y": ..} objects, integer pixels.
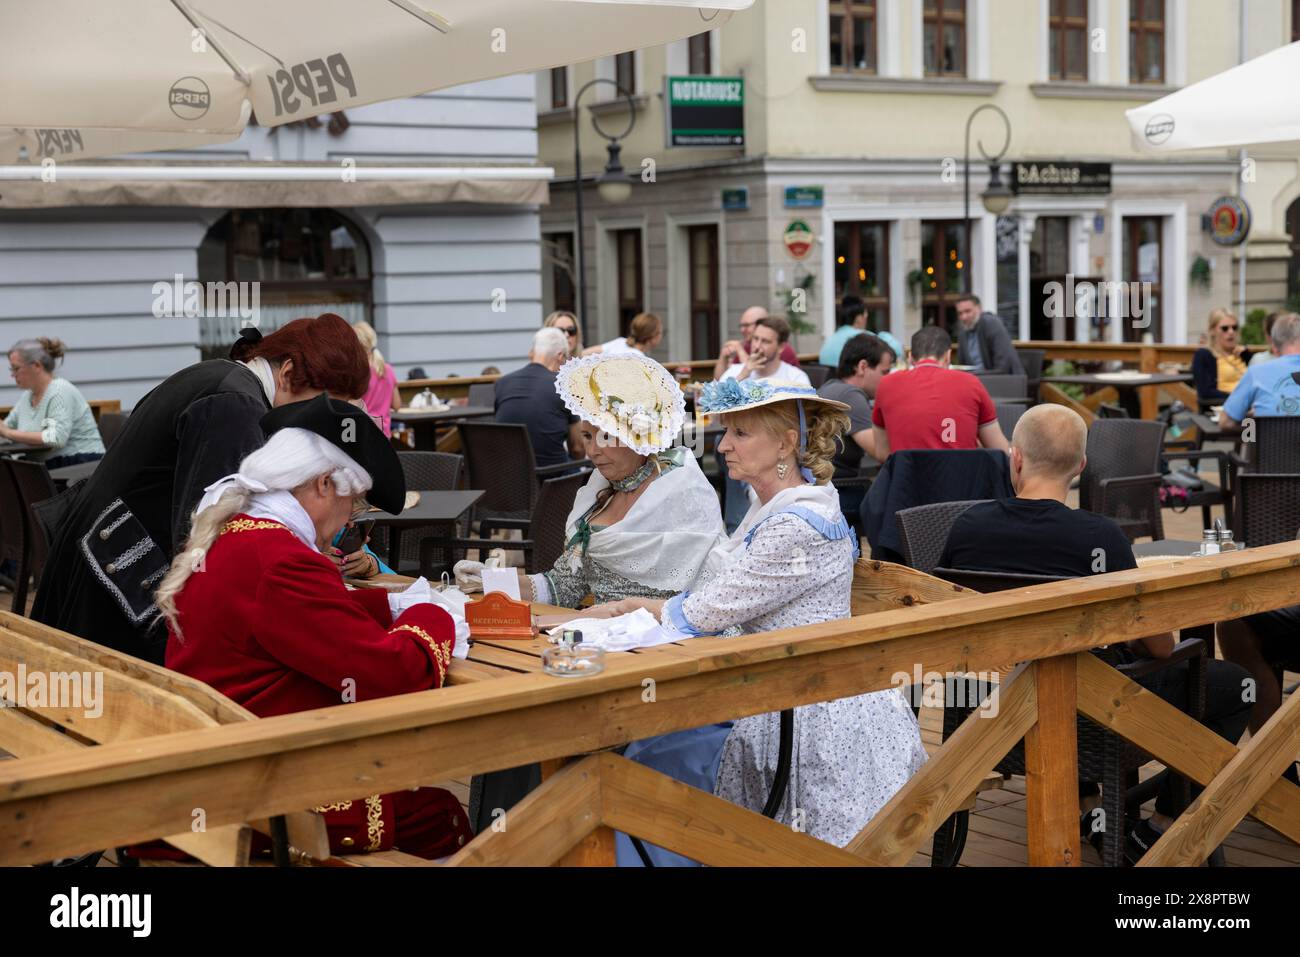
[
  {"x": 336, "y": 806},
  {"x": 250, "y": 524},
  {"x": 375, "y": 821},
  {"x": 441, "y": 653}
]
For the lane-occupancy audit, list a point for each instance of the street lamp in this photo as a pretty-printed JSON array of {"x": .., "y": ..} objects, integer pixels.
[
  {"x": 997, "y": 197},
  {"x": 613, "y": 185}
]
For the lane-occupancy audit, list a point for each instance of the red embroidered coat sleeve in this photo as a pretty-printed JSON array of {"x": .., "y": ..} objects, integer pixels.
[{"x": 314, "y": 625}]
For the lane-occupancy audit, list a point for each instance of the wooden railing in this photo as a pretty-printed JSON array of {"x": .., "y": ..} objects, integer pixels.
[{"x": 67, "y": 803}]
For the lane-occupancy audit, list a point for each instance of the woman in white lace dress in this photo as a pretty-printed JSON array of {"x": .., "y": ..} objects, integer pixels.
[{"x": 790, "y": 563}]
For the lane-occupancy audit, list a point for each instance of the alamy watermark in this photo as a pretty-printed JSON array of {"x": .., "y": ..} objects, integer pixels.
[
  {"x": 1101, "y": 300},
  {"x": 74, "y": 690},
  {"x": 179, "y": 298},
  {"x": 930, "y": 689}
]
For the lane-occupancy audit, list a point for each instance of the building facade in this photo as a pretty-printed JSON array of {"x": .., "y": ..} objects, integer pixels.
[
  {"x": 851, "y": 176},
  {"x": 448, "y": 271}
]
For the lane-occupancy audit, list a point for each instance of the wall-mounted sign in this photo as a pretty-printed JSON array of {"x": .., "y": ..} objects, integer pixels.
[
  {"x": 1058, "y": 178},
  {"x": 804, "y": 197},
  {"x": 705, "y": 110},
  {"x": 737, "y": 198},
  {"x": 1229, "y": 221},
  {"x": 798, "y": 238}
]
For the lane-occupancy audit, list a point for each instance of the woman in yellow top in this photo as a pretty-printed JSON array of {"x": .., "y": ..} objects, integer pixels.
[{"x": 1219, "y": 366}]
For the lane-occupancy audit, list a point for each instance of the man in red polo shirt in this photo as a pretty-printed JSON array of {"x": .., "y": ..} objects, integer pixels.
[{"x": 931, "y": 406}]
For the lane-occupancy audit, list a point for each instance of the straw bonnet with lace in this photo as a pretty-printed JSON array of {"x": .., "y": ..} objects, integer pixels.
[{"x": 629, "y": 396}]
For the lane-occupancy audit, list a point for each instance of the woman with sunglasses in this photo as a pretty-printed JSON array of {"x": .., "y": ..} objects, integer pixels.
[
  {"x": 567, "y": 323},
  {"x": 1220, "y": 364}
]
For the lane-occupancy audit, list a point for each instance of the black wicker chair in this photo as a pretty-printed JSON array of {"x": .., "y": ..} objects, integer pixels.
[
  {"x": 1268, "y": 508},
  {"x": 924, "y": 531},
  {"x": 23, "y": 485},
  {"x": 1009, "y": 414},
  {"x": 1104, "y": 757},
  {"x": 483, "y": 394},
  {"x": 817, "y": 373},
  {"x": 1191, "y": 453},
  {"x": 543, "y": 540},
  {"x": 1032, "y": 360},
  {"x": 1006, "y": 388},
  {"x": 1276, "y": 449},
  {"x": 500, "y": 461},
  {"x": 425, "y": 471},
  {"x": 1123, "y": 476},
  {"x": 111, "y": 425}
]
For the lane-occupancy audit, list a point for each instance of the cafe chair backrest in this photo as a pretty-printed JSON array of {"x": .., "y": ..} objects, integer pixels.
[
  {"x": 110, "y": 426},
  {"x": 1267, "y": 508},
  {"x": 1118, "y": 448},
  {"x": 817, "y": 374},
  {"x": 1005, "y": 386},
  {"x": 501, "y": 462},
  {"x": 924, "y": 531},
  {"x": 985, "y": 582},
  {"x": 33, "y": 484},
  {"x": 1277, "y": 444},
  {"x": 483, "y": 394},
  {"x": 554, "y": 502}
]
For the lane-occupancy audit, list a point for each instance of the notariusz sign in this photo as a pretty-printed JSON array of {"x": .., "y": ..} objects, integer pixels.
[{"x": 705, "y": 110}]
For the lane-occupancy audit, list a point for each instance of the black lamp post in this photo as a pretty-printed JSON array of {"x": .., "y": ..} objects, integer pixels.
[
  {"x": 997, "y": 197},
  {"x": 613, "y": 185}
]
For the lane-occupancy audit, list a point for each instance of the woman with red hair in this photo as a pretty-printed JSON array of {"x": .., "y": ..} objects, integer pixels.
[{"x": 117, "y": 532}]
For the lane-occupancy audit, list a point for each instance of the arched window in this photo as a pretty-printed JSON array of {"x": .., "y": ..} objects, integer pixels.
[{"x": 304, "y": 261}]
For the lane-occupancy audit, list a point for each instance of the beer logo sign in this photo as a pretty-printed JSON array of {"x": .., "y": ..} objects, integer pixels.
[
  {"x": 798, "y": 238},
  {"x": 189, "y": 98},
  {"x": 1229, "y": 221},
  {"x": 1159, "y": 128}
]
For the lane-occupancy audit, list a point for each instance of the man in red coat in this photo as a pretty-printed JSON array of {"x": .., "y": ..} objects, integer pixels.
[{"x": 258, "y": 612}]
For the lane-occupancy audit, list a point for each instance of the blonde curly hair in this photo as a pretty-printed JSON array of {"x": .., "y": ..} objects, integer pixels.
[{"x": 825, "y": 425}]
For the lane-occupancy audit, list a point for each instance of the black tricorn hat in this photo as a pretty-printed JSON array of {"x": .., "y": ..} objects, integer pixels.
[{"x": 352, "y": 430}]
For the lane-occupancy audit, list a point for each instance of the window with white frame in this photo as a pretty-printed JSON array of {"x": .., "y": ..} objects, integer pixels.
[
  {"x": 699, "y": 54},
  {"x": 1067, "y": 36},
  {"x": 1146, "y": 41},
  {"x": 559, "y": 87},
  {"x": 944, "y": 37},
  {"x": 853, "y": 28},
  {"x": 625, "y": 72}
]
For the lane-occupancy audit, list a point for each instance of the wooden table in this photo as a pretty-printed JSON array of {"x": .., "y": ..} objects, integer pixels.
[
  {"x": 425, "y": 423},
  {"x": 434, "y": 507},
  {"x": 71, "y": 474},
  {"x": 1127, "y": 387},
  {"x": 1167, "y": 547}
]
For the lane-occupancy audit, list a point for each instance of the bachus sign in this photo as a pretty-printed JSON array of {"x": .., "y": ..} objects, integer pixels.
[
  {"x": 705, "y": 110},
  {"x": 1060, "y": 177}
]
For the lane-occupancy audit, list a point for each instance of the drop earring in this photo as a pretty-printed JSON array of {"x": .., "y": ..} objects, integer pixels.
[{"x": 781, "y": 469}]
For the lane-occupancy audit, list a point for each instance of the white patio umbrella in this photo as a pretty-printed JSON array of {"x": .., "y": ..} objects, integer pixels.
[
  {"x": 80, "y": 79},
  {"x": 1256, "y": 102}
]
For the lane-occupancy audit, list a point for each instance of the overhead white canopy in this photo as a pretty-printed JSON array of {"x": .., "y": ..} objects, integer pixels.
[
  {"x": 82, "y": 79},
  {"x": 1256, "y": 102}
]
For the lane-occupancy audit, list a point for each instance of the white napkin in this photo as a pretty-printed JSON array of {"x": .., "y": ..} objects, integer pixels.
[
  {"x": 504, "y": 580},
  {"x": 639, "y": 629},
  {"x": 450, "y": 600}
]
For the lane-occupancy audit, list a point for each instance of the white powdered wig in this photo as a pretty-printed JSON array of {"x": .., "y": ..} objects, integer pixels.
[
  {"x": 289, "y": 460},
  {"x": 292, "y": 457}
]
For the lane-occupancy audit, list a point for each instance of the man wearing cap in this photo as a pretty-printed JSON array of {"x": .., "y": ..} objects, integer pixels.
[{"x": 256, "y": 610}]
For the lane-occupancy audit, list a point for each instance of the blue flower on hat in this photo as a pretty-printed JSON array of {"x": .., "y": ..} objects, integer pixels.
[{"x": 729, "y": 394}]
